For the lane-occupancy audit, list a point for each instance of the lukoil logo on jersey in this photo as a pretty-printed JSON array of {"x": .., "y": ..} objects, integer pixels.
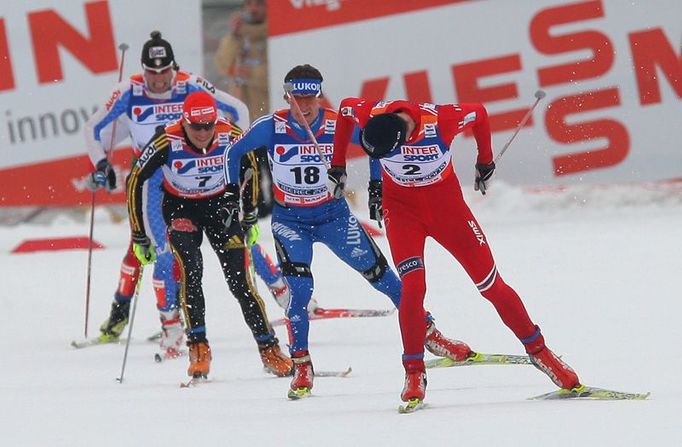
[
  {"x": 306, "y": 152},
  {"x": 157, "y": 113},
  {"x": 192, "y": 166}
]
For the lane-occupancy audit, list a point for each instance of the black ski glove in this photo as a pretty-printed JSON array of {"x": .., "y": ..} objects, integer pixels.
[
  {"x": 483, "y": 174},
  {"x": 229, "y": 211},
  {"x": 376, "y": 212},
  {"x": 103, "y": 177},
  {"x": 336, "y": 181}
]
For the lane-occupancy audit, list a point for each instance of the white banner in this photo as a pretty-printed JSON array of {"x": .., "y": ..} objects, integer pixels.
[
  {"x": 58, "y": 62},
  {"x": 612, "y": 71},
  {"x": 61, "y": 61}
]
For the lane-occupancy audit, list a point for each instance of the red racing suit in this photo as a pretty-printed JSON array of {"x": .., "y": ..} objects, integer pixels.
[{"x": 422, "y": 197}]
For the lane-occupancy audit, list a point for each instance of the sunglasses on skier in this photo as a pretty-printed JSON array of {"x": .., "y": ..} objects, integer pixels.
[
  {"x": 157, "y": 71},
  {"x": 202, "y": 126}
]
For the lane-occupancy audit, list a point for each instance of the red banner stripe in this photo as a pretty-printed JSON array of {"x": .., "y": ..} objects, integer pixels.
[
  {"x": 53, "y": 244},
  {"x": 59, "y": 182},
  {"x": 292, "y": 16}
]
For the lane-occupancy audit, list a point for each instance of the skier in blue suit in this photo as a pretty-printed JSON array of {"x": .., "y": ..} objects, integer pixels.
[{"x": 305, "y": 213}]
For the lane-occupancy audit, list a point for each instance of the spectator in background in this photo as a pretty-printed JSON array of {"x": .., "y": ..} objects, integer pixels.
[{"x": 242, "y": 57}]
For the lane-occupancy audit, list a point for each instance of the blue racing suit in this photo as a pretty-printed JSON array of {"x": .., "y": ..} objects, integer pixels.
[{"x": 305, "y": 213}]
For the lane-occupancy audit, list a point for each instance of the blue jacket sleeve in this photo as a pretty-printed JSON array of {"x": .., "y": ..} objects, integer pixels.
[
  {"x": 374, "y": 169},
  {"x": 259, "y": 134},
  {"x": 374, "y": 164}
]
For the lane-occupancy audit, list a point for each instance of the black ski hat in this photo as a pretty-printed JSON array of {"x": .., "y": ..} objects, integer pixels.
[
  {"x": 382, "y": 134},
  {"x": 157, "y": 53}
]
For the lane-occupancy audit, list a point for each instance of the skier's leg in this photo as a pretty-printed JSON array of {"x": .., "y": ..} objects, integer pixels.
[
  {"x": 348, "y": 240},
  {"x": 164, "y": 281},
  {"x": 231, "y": 250},
  {"x": 294, "y": 248}
]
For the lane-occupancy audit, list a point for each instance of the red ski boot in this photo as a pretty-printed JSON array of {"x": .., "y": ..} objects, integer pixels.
[
  {"x": 440, "y": 346},
  {"x": 561, "y": 374},
  {"x": 415, "y": 380},
  {"x": 546, "y": 361},
  {"x": 302, "y": 382}
]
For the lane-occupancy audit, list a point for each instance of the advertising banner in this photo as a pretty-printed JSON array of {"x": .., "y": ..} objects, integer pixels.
[
  {"x": 611, "y": 70},
  {"x": 59, "y": 61}
]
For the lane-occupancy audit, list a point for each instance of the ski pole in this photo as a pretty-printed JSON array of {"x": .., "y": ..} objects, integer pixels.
[
  {"x": 123, "y": 47},
  {"x": 296, "y": 110},
  {"x": 248, "y": 175},
  {"x": 538, "y": 96},
  {"x": 130, "y": 325}
]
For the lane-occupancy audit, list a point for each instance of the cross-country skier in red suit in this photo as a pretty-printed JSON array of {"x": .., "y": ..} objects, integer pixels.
[{"x": 422, "y": 197}]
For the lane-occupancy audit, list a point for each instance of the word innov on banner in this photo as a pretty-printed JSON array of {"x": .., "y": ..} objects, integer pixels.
[{"x": 26, "y": 129}]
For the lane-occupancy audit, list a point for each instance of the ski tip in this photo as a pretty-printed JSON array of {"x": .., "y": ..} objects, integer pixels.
[
  {"x": 411, "y": 406},
  {"x": 194, "y": 381},
  {"x": 584, "y": 392},
  {"x": 83, "y": 344},
  {"x": 346, "y": 372},
  {"x": 299, "y": 393}
]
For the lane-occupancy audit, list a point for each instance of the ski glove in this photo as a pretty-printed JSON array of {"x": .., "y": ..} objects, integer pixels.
[
  {"x": 229, "y": 212},
  {"x": 250, "y": 227},
  {"x": 376, "y": 211},
  {"x": 483, "y": 174},
  {"x": 142, "y": 247},
  {"x": 103, "y": 177},
  {"x": 336, "y": 181}
]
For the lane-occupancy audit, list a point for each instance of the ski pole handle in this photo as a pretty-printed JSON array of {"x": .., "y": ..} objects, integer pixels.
[
  {"x": 123, "y": 47},
  {"x": 538, "y": 96}
]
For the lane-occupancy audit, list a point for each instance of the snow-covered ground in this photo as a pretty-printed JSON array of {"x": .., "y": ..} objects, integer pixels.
[{"x": 598, "y": 270}]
